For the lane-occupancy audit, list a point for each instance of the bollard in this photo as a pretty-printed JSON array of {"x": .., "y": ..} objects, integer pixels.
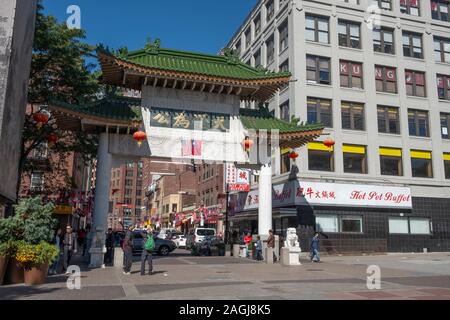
[
  {"x": 269, "y": 255},
  {"x": 284, "y": 256},
  {"x": 118, "y": 258},
  {"x": 235, "y": 251}
]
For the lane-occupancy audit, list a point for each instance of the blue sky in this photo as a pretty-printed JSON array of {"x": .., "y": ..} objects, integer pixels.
[{"x": 196, "y": 25}]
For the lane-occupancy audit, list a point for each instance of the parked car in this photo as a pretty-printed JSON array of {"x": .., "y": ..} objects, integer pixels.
[
  {"x": 180, "y": 240},
  {"x": 167, "y": 232},
  {"x": 162, "y": 246},
  {"x": 197, "y": 235},
  {"x": 210, "y": 246}
]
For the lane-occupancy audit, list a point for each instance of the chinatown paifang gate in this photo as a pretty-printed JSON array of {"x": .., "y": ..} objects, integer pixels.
[{"x": 190, "y": 111}]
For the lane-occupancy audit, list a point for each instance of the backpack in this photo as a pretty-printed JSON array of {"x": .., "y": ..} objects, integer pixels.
[{"x": 150, "y": 243}]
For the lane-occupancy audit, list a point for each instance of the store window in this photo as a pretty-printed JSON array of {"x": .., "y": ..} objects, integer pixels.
[
  {"x": 440, "y": 10},
  {"x": 418, "y": 123},
  {"x": 383, "y": 40},
  {"x": 320, "y": 157},
  {"x": 327, "y": 223},
  {"x": 412, "y": 45},
  {"x": 351, "y": 74},
  {"x": 354, "y": 159},
  {"x": 318, "y": 69},
  {"x": 447, "y": 165},
  {"x": 409, "y": 225},
  {"x": 349, "y": 34},
  {"x": 317, "y": 29},
  {"x": 319, "y": 111},
  {"x": 443, "y": 86},
  {"x": 386, "y": 79},
  {"x": 398, "y": 225},
  {"x": 391, "y": 161},
  {"x": 421, "y": 164},
  {"x": 415, "y": 83},
  {"x": 351, "y": 224},
  {"x": 388, "y": 120},
  {"x": 411, "y": 7}
]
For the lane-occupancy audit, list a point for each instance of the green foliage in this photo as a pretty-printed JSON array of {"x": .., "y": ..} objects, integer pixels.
[
  {"x": 46, "y": 252},
  {"x": 30, "y": 255},
  {"x": 32, "y": 223},
  {"x": 8, "y": 248}
]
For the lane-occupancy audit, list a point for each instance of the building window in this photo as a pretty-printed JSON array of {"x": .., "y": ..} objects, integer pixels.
[
  {"x": 388, "y": 120},
  {"x": 447, "y": 165},
  {"x": 351, "y": 74},
  {"x": 418, "y": 123},
  {"x": 130, "y": 165},
  {"x": 40, "y": 151},
  {"x": 317, "y": 29},
  {"x": 174, "y": 207},
  {"x": 37, "y": 181},
  {"x": 383, "y": 4},
  {"x": 332, "y": 223},
  {"x": 412, "y": 45},
  {"x": 320, "y": 158},
  {"x": 319, "y": 111},
  {"x": 354, "y": 159},
  {"x": 248, "y": 38},
  {"x": 238, "y": 48},
  {"x": 391, "y": 161},
  {"x": 285, "y": 113},
  {"x": 285, "y": 161},
  {"x": 270, "y": 50},
  {"x": 386, "y": 79},
  {"x": 327, "y": 223},
  {"x": 270, "y": 9},
  {"x": 258, "y": 58},
  {"x": 318, "y": 69},
  {"x": 351, "y": 1},
  {"x": 442, "y": 49},
  {"x": 284, "y": 67},
  {"x": 349, "y": 34},
  {"x": 352, "y": 116},
  {"x": 443, "y": 86},
  {"x": 411, "y": 7},
  {"x": 257, "y": 23},
  {"x": 421, "y": 164},
  {"x": 411, "y": 225},
  {"x": 445, "y": 125},
  {"x": 415, "y": 83},
  {"x": 284, "y": 36},
  {"x": 350, "y": 224},
  {"x": 129, "y": 173},
  {"x": 383, "y": 40},
  {"x": 440, "y": 10}
]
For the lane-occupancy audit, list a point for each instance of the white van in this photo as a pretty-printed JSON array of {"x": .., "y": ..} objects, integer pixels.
[
  {"x": 198, "y": 234},
  {"x": 165, "y": 231}
]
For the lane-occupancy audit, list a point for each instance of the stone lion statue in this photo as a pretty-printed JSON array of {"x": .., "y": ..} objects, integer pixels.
[{"x": 291, "y": 238}]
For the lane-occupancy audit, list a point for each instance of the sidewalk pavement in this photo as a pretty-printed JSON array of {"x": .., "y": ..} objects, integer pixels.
[{"x": 181, "y": 276}]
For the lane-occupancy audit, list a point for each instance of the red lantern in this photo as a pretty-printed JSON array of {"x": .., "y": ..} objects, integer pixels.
[
  {"x": 52, "y": 139},
  {"x": 139, "y": 136},
  {"x": 247, "y": 144},
  {"x": 329, "y": 143},
  {"x": 40, "y": 118},
  {"x": 293, "y": 155}
]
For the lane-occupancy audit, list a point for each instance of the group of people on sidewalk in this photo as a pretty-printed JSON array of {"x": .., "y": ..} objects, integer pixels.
[
  {"x": 248, "y": 241},
  {"x": 67, "y": 246}
]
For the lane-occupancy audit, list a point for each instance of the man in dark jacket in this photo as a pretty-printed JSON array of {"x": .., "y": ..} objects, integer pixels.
[
  {"x": 128, "y": 251},
  {"x": 109, "y": 243},
  {"x": 271, "y": 244},
  {"x": 69, "y": 247},
  {"x": 315, "y": 248},
  {"x": 146, "y": 255}
]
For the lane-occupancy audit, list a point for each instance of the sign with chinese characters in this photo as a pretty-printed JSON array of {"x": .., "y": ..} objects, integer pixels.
[
  {"x": 237, "y": 179},
  {"x": 180, "y": 119},
  {"x": 330, "y": 194}
]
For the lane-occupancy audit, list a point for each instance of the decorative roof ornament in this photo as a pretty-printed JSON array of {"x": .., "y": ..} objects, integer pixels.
[
  {"x": 231, "y": 56},
  {"x": 152, "y": 47}
]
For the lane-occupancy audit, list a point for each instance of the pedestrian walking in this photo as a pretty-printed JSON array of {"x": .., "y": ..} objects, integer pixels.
[
  {"x": 70, "y": 247},
  {"x": 315, "y": 248},
  {"x": 258, "y": 248},
  {"x": 109, "y": 243},
  {"x": 147, "y": 252},
  {"x": 54, "y": 268},
  {"x": 128, "y": 251},
  {"x": 247, "y": 241},
  {"x": 271, "y": 244}
]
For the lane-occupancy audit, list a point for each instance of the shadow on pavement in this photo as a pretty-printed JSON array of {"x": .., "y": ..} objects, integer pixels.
[{"x": 22, "y": 291}]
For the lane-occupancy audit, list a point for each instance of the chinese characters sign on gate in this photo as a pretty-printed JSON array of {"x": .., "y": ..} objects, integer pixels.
[
  {"x": 180, "y": 119},
  {"x": 237, "y": 179}
]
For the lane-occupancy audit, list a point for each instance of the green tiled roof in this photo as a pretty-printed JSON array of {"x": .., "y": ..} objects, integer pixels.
[
  {"x": 263, "y": 119},
  {"x": 228, "y": 65},
  {"x": 114, "y": 108}
]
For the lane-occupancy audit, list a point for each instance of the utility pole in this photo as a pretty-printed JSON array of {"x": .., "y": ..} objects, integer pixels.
[{"x": 227, "y": 192}]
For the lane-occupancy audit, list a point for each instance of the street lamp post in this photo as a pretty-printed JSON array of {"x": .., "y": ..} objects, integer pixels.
[{"x": 227, "y": 192}]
